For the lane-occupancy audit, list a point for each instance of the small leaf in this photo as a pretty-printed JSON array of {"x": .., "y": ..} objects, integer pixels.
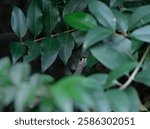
[
  {"x": 19, "y": 73},
  {"x": 134, "y": 99},
  {"x": 75, "y": 6},
  {"x": 67, "y": 45},
  {"x": 50, "y": 48},
  {"x": 18, "y": 22},
  {"x": 142, "y": 34},
  {"x": 109, "y": 56},
  {"x": 119, "y": 100},
  {"x": 139, "y": 15},
  {"x": 17, "y": 51},
  {"x": 80, "y": 20},
  {"x": 120, "y": 71},
  {"x": 34, "y": 18},
  {"x": 33, "y": 51},
  {"x": 143, "y": 77},
  {"x": 95, "y": 35},
  {"x": 102, "y": 13},
  {"x": 51, "y": 15}
]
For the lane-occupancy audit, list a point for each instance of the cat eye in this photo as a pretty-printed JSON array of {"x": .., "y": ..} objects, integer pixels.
[{"x": 82, "y": 59}]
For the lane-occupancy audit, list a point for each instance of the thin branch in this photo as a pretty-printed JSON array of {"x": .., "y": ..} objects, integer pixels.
[
  {"x": 131, "y": 78},
  {"x": 54, "y": 35}
]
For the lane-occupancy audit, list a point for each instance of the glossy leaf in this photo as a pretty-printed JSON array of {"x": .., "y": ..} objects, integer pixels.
[
  {"x": 102, "y": 13},
  {"x": 17, "y": 51},
  {"x": 120, "y": 71},
  {"x": 67, "y": 45},
  {"x": 119, "y": 100},
  {"x": 50, "y": 14},
  {"x": 33, "y": 51},
  {"x": 142, "y": 34},
  {"x": 143, "y": 77},
  {"x": 115, "y": 3},
  {"x": 140, "y": 16},
  {"x": 109, "y": 56},
  {"x": 95, "y": 35},
  {"x": 18, "y": 22},
  {"x": 50, "y": 48},
  {"x": 74, "y": 6},
  {"x": 34, "y": 18},
  {"x": 80, "y": 20},
  {"x": 134, "y": 99}
]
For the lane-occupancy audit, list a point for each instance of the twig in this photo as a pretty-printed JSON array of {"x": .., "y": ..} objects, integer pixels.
[
  {"x": 131, "y": 78},
  {"x": 54, "y": 35}
]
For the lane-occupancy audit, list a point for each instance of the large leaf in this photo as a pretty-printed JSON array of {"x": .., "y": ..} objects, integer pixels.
[
  {"x": 142, "y": 34},
  {"x": 119, "y": 100},
  {"x": 109, "y": 56},
  {"x": 51, "y": 14},
  {"x": 74, "y": 6},
  {"x": 34, "y": 18},
  {"x": 140, "y": 16},
  {"x": 17, "y": 50},
  {"x": 18, "y": 22},
  {"x": 67, "y": 45},
  {"x": 120, "y": 71},
  {"x": 50, "y": 47},
  {"x": 80, "y": 20},
  {"x": 33, "y": 51},
  {"x": 144, "y": 77},
  {"x": 102, "y": 13},
  {"x": 134, "y": 99},
  {"x": 95, "y": 35}
]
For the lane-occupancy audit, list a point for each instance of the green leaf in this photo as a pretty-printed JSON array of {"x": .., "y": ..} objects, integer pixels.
[
  {"x": 119, "y": 100},
  {"x": 17, "y": 51},
  {"x": 109, "y": 56},
  {"x": 120, "y": 71},
  {"x": 122, "y": 20},
  {"x": 115, "y": 3},
  {"x": 144, "y": 77},
  {"x": 134, "y": 99},
  {"x": 102, "y": 13},
  {"x": 33, "y": 51},
  {"x": 80, "y": 20},
  {"x": 95, "y": 35},
  {"x": 140, "y": 16},
  {"x": 51, "y": 15},
  {"x": 75, "y": 6},
  {"x": 67, "y": 45},
  {"x": 18, "y": 22},
  {"x": 19, "y": 73},
  {"x": 50, "y": 48},
  {"x": 34, "y": 18},
  {"x": 142, "y": 34}
]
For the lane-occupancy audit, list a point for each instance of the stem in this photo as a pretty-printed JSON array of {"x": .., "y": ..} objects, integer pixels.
[
  {"x": 54, "y": 35},
  {"x": 131, "y": 78}
]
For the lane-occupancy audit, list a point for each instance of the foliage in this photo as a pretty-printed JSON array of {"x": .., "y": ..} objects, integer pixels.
[{"x": 115, "y": 33}]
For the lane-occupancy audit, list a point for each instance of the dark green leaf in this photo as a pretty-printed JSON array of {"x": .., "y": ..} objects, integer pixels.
[
  {"x": 95, "y": 35},
  {"x": 34, "y": 18},
  {"x": 74, "y": 6},
  {"x": 119, "y": 100},
  {"x": 140, "y": 16},
  {"x": 80, "y": 20},
  {"x": 18, "y": 22},
  {"x": 50, "y": 48},
  {"x": 115, "y": 3},
  {"x": 51, "y": 14},
  {"x": 109, "y": 56},
  {"x": 142, "y": 34},
  {"x": 67, "y": 45},
  {"x": 102, "y": 13},
  {"x": 144, "y": 77},
  {"x": 33, "y": 51},
  {"x": 17, "y": 50}
]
